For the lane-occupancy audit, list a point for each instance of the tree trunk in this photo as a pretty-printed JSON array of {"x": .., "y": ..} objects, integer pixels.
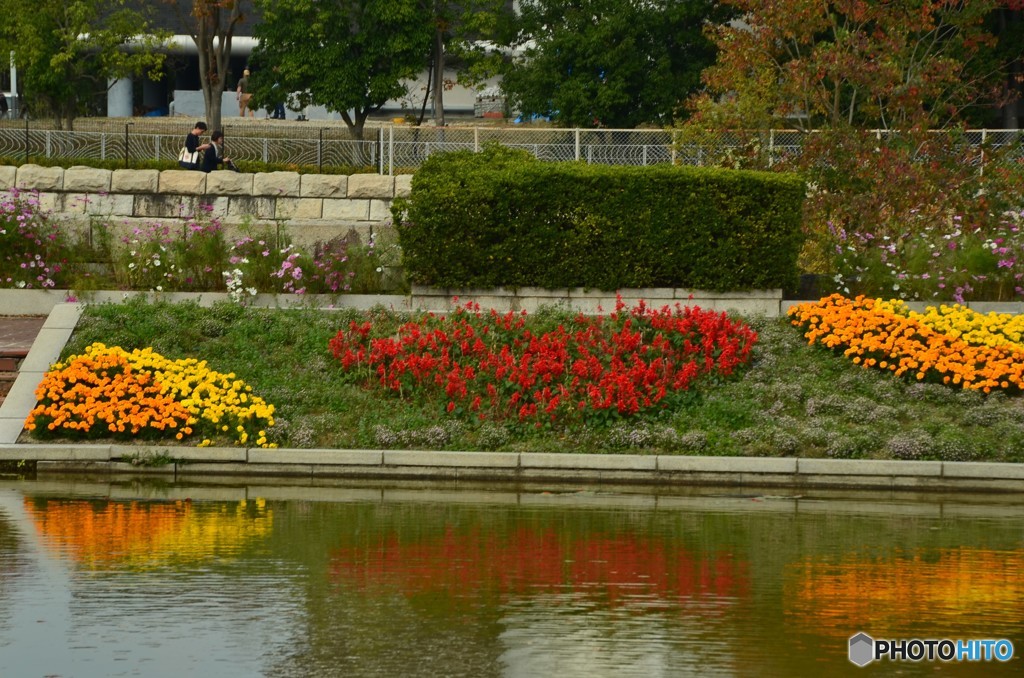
[{"x": 439, "y": 76}]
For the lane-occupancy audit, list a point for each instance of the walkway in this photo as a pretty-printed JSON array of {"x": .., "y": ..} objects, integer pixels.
[{"x": 16, "y": 336}]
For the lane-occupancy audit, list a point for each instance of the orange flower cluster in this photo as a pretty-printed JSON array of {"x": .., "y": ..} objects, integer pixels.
[
  {"x": 873, "y": 334},
  {"x": 109, "y": 392}
]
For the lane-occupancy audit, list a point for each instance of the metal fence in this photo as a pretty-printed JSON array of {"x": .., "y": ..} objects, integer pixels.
[{"x": 401, "y": 148}]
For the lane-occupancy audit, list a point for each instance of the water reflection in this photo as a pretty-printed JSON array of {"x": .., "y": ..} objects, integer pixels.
[
  {"x": 954, "y": 589},
  {"x": 146, "y": 534},
  {"x": 469, "y": 565},
  {"x": 503, "y": 585}
]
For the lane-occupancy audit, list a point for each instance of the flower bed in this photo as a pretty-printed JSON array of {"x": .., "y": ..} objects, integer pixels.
[
  {"x": 39, "y": 252},
  {"x": 951, "y": 345},
  {"x": 109, "y": 392},
  {"x": 491, "y": 367}
]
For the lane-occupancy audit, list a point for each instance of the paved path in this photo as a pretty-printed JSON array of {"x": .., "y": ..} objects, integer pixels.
[{"x": 16, "y": 336}]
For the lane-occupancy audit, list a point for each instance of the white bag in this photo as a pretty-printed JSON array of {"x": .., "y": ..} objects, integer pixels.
[{"x": 185, "y": 156}]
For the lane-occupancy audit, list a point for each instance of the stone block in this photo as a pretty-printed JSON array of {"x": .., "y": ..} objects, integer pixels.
[
  {"x": 403, "y": 185},
  {"x": 181, "y": 453},
  {"x": 10, "y": 430},
  {"x": 30, "y": 302},
  {"x": 276, "y": 184},
  {"x": 73, "y": 452},
  {"x": 319, "y": 457},
  {"x": 63, "y": 316},
  {"x": 213, "y": 206},
  {"x": 8, "y": 177},
  {"x": 323, "y": 186},
  {"x": 87, "y": 179},
  {"x": 34, "y": 177},
  {"x": 727, "y": 464},
  {"x": 203, "y": 468},
  {"x": 299, "y": 208},
  {"x": 135, "y": 181},
  {"x": 163, "y": 206},
  {"x": 341, "y": 209},
  {"x": 868, "y": 467},
  {"x": 977, "y": 469},
  {"x": 46, "y": 349},
  {"x": 75, "y": 203},
  {"x": 371, "y": 186},
  {"x": 79, "y": 468},
  {"x": 451, "y": 459},
  {"x": 51, "y": 202},
  {"x": 380, "y": 210},
  {"x": 111, "y": 205},
  {"x": 591, "y": 462},
  {"x": 995, "y": 307},
  {"x": 251, "y": 206},
  {"x": 182, "y": 182},
  {"x": 223, "y": 182}
]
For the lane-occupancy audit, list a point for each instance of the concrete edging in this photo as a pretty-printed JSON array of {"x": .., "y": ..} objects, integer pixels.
[{"x": 179, "y": 462}]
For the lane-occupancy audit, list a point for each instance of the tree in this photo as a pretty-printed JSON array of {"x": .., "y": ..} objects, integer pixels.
[
  {"x": 874, "y": 80},
  {"x": 880, "y": 65},
  {"x": 68, "y": 50},
  {"x": 614, "y": 63},
  {"x": 350, "y": 56},
  {"x": 211, "y": 24},
  {"x": 461, "y": 29}
]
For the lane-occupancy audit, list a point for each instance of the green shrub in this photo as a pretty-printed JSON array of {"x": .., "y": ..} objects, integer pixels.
[{"x": 502, "y": 218}]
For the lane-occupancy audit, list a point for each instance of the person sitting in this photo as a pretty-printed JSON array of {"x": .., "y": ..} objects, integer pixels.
[
  {"x": 214, "y": 156},
  {"x": 190, "y": 158}
]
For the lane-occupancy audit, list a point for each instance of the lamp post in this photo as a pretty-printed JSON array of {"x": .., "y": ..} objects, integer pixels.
[{"x": 126, "y": 126}]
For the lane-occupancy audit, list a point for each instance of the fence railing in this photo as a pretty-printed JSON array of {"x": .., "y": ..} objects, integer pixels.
[{"x": 401, "y": 148}]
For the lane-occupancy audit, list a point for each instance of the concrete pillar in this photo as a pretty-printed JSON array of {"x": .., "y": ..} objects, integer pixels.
[{"x": 119, "y": 98}]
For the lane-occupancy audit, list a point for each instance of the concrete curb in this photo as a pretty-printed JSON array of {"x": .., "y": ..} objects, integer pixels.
[{"x": 181, "y": 462}]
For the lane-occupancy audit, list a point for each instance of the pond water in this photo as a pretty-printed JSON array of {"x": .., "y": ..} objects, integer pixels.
[{"x": 130, "y": 579}]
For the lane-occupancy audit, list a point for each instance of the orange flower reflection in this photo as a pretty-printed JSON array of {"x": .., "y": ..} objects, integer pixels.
[
  {"x": 101, "y": 534},
  {"x": 949, "y": 587}
]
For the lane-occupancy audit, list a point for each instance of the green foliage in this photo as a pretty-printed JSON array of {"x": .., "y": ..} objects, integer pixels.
[
  {"x": 67, "y": 50},
  {"x": 350, "y": 56},
  {"x": 608, "y": 62},
  {"x": 500, "y": 218}
]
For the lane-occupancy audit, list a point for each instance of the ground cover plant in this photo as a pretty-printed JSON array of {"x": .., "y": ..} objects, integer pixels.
[{"x": 791, "y": 399}]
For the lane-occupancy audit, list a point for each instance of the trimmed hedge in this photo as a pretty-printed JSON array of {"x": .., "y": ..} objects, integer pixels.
[{"x": 502, "y": 218}]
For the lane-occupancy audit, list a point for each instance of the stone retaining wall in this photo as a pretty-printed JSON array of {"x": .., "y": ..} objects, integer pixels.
[{"x": 311, "y": 206}]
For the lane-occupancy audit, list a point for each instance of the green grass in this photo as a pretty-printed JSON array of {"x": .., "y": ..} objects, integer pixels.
[{"x": 794, "y": 399}]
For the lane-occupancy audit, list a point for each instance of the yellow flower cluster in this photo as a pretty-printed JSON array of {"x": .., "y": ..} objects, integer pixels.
[
  {"x": 140, "y": 390},
  {"x": 881, "y": 334},
  {"x": 978, "y": 329}
]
